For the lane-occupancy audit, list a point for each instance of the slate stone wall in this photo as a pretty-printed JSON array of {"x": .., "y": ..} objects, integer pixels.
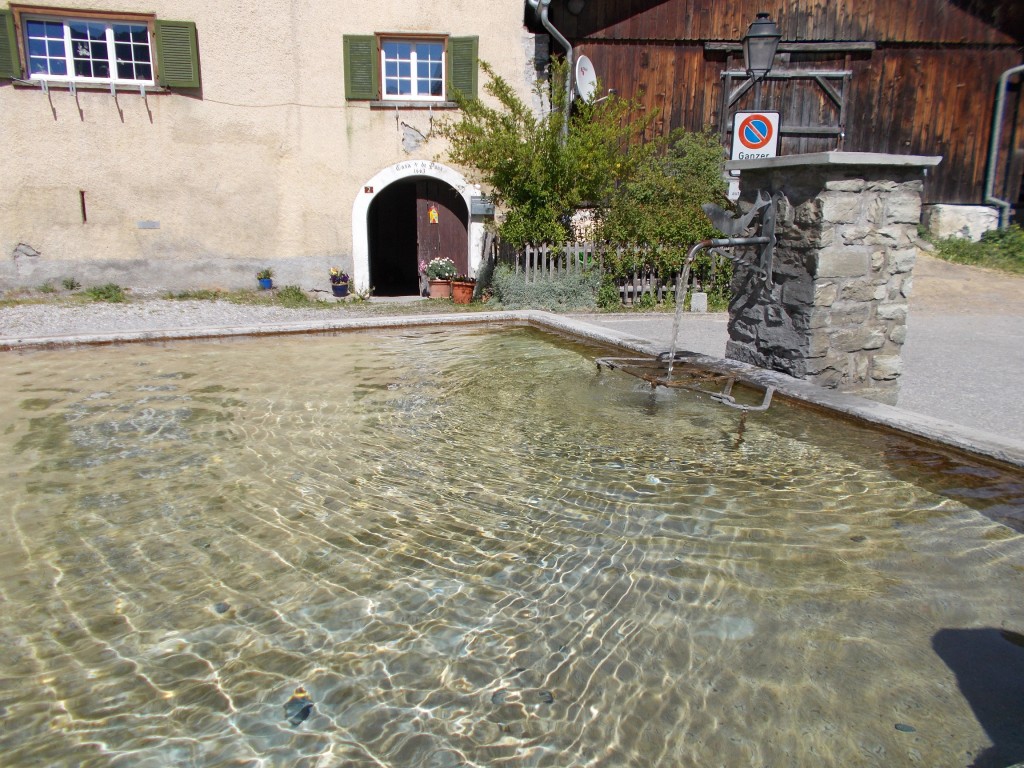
[{"x": 842, "y": 271}]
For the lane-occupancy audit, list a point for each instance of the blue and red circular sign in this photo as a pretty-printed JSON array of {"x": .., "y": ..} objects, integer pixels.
[{"x": 755, "y": 131}]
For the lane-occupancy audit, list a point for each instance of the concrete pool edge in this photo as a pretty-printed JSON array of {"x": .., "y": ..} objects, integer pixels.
[{"x": 972, "y": 441}]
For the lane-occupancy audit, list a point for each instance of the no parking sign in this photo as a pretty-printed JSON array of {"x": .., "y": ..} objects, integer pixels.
[{"x": 755, "y": 135}]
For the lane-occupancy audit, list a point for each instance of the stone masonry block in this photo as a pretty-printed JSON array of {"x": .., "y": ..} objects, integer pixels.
[
  {"x": 902, "y": 260},
  {"x": 898, "y": 334},
  {"x": 875, "y": 212},
  {"x": 825, "y": 293},
  {"x": 886, "y": 367},
  {"x": 832, "y": 360},
  {"x": 846, "y": 185},
  {"x": 882, "y": 186},
  {"x": 852, "y": 261},
  {"x": 903, "y": 209},
  {"x": 846, "y": 313},
  {"x": 841, "y": 207},
  {"x": 907, "y": 286},
  {"x": 807, "y": 214},
  {"x": 820, "y": 317},
  {"x": 853, "y": 234},
  {"x": 798, "y": 293},
  {"x": 819, "y": 344},
  {"x": 856, "y": 339},
  {"x": 859, "y": 372},
  {"x": 891, "y": 235},
  {"x": 896, "y": 311},
  {"x": 862, "y": 291}
]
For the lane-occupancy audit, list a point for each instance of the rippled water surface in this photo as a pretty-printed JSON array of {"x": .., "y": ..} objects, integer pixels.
[{"x": 472, "y": 548}]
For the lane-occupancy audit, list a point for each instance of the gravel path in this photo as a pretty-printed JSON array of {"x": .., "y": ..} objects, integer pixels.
[
  {"x": 59, "y": 318},
  {"x": 35, "y": 320}
]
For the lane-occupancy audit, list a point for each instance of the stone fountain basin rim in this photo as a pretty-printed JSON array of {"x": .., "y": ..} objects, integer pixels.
[{"x": 976, "y": 443}]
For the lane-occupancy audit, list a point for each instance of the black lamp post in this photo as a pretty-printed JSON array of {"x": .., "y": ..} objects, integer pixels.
[{"x": 759, "y": 46}]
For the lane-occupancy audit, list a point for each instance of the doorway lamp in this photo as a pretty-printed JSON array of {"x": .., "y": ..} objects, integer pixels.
[{"x": 759, "y": 46}]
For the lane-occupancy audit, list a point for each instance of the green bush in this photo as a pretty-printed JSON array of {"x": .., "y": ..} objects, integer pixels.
[
  {"x": 998, "y": 249},
  {"x": 199, "y": 294},
  {"x": 293, "y": 296},
  {"x": 71, "y": 284},
  {"x": 557, "y": 293},
  {"x": 608, "y": 296},
  {"x": 46, "y": 288},
  {"x": 111, "y": 292}
]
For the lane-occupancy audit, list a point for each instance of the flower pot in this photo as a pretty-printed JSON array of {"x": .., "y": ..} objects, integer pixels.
[
  {"x": 339, "y": 289},
  {"x": 266, "y": 283},
  {"x": 462, "y": 293},
  {"x": 440, "y": 289}
]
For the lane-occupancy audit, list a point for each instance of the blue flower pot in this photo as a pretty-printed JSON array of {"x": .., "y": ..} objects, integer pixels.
[
  {"x": 266, "y": 283},
  {"x": 339, "y": 289}
]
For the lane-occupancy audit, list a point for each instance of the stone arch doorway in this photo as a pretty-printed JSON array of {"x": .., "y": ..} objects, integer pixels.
[
  {"x": 397, "y": 218},
  {"x": 413, "y": 220}
]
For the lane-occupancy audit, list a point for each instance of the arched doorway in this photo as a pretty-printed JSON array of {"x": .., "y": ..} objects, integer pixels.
[{"x": 413, "y": 220}]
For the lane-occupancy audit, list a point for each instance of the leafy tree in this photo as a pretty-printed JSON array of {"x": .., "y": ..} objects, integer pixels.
[
  {"x": 538, "y": 174},
  {"x": 658, "y": 211},
  {"x": 641, "y": 194}
]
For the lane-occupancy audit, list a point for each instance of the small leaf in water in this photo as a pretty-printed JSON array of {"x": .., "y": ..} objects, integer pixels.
[
  {"x": 903, "y": 727},
  {"x": 298, "y": 707}
]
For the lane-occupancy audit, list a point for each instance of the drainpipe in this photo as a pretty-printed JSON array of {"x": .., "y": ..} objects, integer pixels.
[
  {"x": 541, "y": 7},
  {"x": 993, "y": 150}
]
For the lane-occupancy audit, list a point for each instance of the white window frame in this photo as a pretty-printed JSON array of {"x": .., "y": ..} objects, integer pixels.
[
  {"x": 109, "y": 22},
  {"x": 413, "y": 95}
]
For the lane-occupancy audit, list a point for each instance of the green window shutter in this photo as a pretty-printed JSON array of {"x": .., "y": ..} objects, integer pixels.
[
  {"x": 10, "y": 66},
  {"x": 177, "y": 54},
  {"x": 462, "y": 64},
  {"x": 362, "y": 68}
]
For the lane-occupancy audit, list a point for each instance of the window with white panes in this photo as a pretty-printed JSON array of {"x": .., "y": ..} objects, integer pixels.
[
  {"x": 89, "y": 50},
  {"x": 413, "y": 69}
]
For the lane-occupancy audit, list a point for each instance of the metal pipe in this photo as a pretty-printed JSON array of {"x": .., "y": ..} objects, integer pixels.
[
  {"x": 683, "y": 277},
  {"x": 993, "y": 150},
  {"x": 561, "y": 40}
]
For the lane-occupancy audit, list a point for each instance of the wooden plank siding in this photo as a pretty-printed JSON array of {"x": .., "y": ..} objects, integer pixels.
[
  {"x": 928, "y": 87},
  {"x": 896, "y": 21}
]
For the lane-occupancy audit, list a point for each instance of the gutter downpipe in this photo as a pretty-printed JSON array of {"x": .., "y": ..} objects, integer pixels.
[
  {"x": 541, "y": 6},
  {"x": 993, "y": 150}
]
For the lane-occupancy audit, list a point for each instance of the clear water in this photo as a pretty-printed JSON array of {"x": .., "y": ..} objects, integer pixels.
[{"x": 472, "y": 548}]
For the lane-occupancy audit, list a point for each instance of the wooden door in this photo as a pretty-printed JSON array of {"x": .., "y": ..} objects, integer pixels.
[{"x": 441, "y": 224}]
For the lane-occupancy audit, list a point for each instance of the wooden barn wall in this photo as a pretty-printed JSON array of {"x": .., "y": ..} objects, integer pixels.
[
  {"x": 902, "y": 100},
  {"x": 928, "y": 87},
  {"x": 899, "y": 21}
]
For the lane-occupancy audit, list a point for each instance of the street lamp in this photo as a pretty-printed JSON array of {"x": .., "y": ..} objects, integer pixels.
[{"x": 759, "y": 46}]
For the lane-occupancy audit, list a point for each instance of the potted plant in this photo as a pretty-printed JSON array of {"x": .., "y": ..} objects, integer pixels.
[
  {"x": 264, "y": 277},
  {"x": 462, "y": 289},
  {"x": 440, "y": 272},
  {"x": 339, "y": 282}
]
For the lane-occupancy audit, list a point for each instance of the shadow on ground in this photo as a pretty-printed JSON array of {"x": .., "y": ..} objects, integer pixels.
[{"x": 989, "y": 668}]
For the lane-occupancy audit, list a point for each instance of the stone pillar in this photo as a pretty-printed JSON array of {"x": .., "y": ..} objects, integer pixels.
[{"x": 846, "y": 230}]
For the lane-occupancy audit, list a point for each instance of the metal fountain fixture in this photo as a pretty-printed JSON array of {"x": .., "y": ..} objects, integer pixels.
[{"x": 742, "y": 240}]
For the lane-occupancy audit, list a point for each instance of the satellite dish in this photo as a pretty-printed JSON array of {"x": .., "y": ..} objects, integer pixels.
[{"x": 586, "y": 78}]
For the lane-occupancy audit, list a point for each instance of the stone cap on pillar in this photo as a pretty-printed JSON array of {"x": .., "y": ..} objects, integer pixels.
[{"x": 875, "y": 159}]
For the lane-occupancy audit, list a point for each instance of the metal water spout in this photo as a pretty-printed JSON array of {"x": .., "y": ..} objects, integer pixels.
[{"x": 765, "y": 207}]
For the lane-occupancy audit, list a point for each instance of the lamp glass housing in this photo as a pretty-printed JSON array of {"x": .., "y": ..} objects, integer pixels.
[{"x": 759, "y": 46}]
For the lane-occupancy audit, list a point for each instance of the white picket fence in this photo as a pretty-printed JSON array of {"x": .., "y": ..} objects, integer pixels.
[{"x": 541, "y": 262}]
